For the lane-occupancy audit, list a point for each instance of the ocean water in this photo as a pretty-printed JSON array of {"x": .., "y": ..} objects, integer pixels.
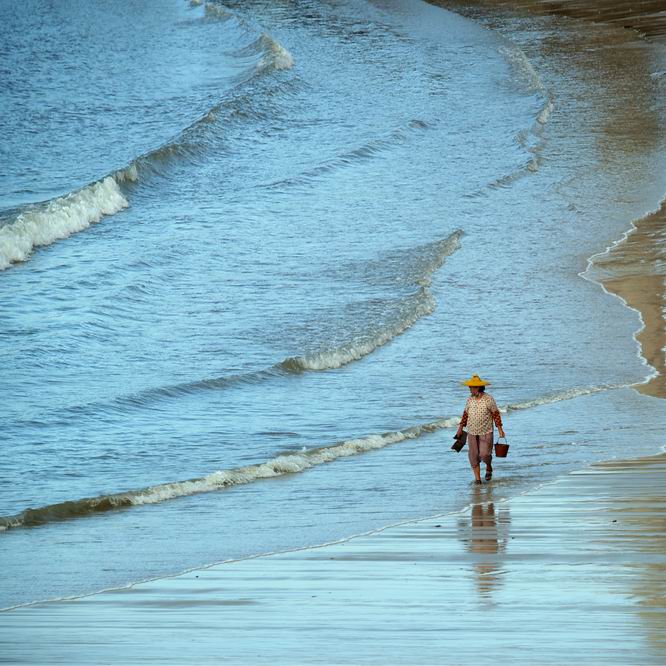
[{"x": 250, "y": 250}]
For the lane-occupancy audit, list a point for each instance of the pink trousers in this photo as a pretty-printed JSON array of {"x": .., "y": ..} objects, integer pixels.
[{"x": 480, "y": 448}]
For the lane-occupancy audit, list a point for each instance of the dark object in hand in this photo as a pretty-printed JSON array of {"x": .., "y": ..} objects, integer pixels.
[{"x": 460, "y": 442}]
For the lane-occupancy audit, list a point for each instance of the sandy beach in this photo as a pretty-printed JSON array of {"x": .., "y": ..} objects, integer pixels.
[
  {"x": 540, "y": 566},
  {"x": 634, "y": 271},
  {"x": 573, "y": 572},
  {"x": 646, "y": 16}
]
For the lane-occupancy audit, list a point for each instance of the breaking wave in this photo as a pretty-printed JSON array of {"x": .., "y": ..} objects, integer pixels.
[
  {"x": 59, "y": 218},
  {"x": 414, "y": 309},
  {"x": 44, "y": 223},
  {"x": 412, "y": 269},
  {"x": 275, "y": 55},
  {"x": 288, "y": 463},
  {"x": 566, "y": 394},
  {"x": 405, "y": 313}
]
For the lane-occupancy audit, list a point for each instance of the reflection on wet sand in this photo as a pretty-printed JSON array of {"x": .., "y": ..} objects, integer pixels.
[
  {"x": 585, "y": 574},
  {"x": 641, "y": 527},
  {"x": 485, "y": 534}
]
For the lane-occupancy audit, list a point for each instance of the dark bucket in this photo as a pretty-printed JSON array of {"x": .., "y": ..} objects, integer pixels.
[{"x": 501, "y": 450}]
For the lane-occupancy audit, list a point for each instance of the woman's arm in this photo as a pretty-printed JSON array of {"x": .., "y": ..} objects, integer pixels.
[
  {"x": 463, "y": 423},
  {"x": 497, "y": 418}
]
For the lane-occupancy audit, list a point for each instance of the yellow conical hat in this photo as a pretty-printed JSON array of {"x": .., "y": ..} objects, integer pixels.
[{"x": 475, "y": 380}]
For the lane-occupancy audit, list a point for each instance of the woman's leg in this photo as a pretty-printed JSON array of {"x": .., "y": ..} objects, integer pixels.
[
  {"x": 486, "y": 453},
  {"x": 473, "y": 455}
]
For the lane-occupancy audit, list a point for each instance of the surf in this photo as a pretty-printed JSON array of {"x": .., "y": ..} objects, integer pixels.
[
  {"x": 294, "y": 462},
  {"x": 410, "y": 270},
  {"x": 43, "y": 223}
]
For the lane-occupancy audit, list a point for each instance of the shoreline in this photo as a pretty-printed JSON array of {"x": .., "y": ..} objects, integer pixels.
[
  {"x": 542, "y": 563},
  {"x": 647, "y": 17},
  {"x": 581, "y": 560},
  {"x": 630, "y": 267}
]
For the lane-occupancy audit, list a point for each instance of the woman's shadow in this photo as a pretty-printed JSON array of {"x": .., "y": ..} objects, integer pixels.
[{"x": 484, "y": 532}]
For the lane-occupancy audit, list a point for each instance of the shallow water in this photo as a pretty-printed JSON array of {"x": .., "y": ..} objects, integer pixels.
[{"x": 316, "y": 220}]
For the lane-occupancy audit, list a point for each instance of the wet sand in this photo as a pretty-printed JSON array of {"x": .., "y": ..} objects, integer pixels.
[
  {"x": 646, "y": 16},
  {"x": 573, "y": 572},
  {"x": 635, "y": 271}
]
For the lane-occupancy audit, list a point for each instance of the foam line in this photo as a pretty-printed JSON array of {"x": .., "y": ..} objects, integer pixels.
[
  {"x": 289, "y": 463},
  {"x": 410, "y": 310},
  {"x": 45, "y": 223},
  {"x": 59, "y": 218}
]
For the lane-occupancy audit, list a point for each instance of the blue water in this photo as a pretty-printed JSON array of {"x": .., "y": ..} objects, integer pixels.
[{"x": 241, "y": 244}]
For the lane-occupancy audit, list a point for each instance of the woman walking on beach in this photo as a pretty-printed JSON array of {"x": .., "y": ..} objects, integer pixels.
[{"x": 480, "y": 413}]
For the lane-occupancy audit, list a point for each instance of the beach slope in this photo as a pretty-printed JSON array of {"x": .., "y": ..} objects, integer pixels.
[{"x": 573, "y": 572}]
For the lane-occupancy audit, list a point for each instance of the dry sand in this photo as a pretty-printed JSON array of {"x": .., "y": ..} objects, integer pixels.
[{"x": 573, "y": 572}]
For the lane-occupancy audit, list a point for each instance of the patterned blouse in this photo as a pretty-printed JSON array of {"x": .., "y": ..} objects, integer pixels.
[{"x": 480, "y": 413}]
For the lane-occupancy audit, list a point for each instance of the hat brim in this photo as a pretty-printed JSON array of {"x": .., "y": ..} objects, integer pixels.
[{"x": 477, "y": 384}]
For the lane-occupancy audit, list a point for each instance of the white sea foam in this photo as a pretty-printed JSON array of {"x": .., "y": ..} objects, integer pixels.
[
  {"x": 412, "y": 309},
  {"x": 59, "y": 218},
  {"x": 288, "y": 463},
  {"x": 213, "y": 9},
  {"x": 596, "y": 273},
  {"x": 523, "y": 67},
  {"x": 336, "y": 358},
  {"x": 276, "y": 56},
  {"x": 529, "y": 139},
  {"x": 544, "y": 114},
  {"x": 532, "y": 139},
  {"x": 45, "y": 223},
  {"x": 566, "y": 394}
]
